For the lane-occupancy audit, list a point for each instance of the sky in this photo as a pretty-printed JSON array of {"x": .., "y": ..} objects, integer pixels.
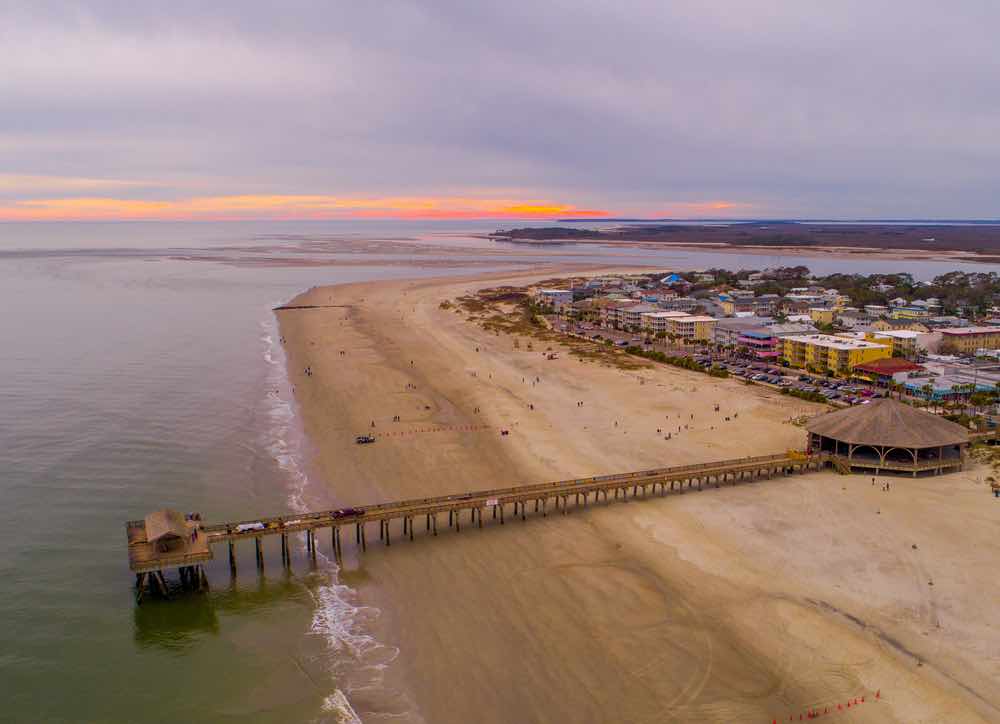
[{"x": 514, "y": 109}]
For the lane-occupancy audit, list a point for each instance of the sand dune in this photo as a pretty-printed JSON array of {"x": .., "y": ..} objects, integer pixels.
[{"x": 739, "y": 604}]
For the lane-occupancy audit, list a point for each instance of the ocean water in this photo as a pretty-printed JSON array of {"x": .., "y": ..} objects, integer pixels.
[{"x": 140, "y": 368}]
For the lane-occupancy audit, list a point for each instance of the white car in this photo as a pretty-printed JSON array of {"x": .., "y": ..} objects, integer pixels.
[{"x": 247, "y": 527}]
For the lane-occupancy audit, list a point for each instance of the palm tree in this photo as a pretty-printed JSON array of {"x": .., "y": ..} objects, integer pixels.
[{"x": 928, "y": 390}]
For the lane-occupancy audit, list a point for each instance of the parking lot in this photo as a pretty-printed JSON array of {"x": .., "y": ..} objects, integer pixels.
[{"x": 835, "y": 391}]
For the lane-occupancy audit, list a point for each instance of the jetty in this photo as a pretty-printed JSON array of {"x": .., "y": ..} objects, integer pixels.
[{"x": 167, "y": 539}]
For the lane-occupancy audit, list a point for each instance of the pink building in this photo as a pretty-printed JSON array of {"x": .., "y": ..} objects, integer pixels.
[{"x": 762, "y": 344}]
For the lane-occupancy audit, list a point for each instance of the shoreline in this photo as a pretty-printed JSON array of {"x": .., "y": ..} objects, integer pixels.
[
  {"x": 576, "y": 614},
  {"x": 838, "y": 252}
]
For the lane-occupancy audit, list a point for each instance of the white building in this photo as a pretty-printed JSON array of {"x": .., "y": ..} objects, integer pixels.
[{"x": 659, "y": 321}]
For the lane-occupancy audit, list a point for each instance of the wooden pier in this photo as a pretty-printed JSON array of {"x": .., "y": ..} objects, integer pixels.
[{"x": 148, "y": 561}]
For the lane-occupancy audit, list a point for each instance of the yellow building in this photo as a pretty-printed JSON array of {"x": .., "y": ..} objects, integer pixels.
[
  {"x": 914, "y": 325},
  {"x": 824, "y": 353},
  {"x": 821, "y": 315},
  {"x": 697, "y": 328},
  {"x": 909, "y": 313},
  {"x": 966, "y": 340},
  {"x": 903, "y": 342}
]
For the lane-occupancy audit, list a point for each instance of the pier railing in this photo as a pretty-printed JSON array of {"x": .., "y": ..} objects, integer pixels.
[{"x": 148, "y": 562}]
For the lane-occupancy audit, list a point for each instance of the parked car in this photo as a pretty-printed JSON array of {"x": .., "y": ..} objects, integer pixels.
[
  {"x": 247, "y": 527},
  {"x": 364, "y": 439}
]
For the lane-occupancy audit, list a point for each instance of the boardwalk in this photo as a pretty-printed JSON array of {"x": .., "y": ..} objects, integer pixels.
[{"x": 148, "y": 563}]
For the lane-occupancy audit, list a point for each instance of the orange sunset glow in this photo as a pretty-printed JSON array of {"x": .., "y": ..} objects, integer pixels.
[{"x": 253, "y": 206}]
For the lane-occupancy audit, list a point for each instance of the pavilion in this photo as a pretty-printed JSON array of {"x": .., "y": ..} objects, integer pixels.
[{"x": 886, "y": 434}]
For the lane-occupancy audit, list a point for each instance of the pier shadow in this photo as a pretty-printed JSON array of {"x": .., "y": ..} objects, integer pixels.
[{"x": 188, "y": 616}]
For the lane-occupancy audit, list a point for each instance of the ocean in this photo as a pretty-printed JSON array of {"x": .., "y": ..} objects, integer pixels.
[{"x": 140, "y": 368}]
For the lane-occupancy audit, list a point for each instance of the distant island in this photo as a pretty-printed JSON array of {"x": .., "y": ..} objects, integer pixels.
[{"x": 969, "y": 237}]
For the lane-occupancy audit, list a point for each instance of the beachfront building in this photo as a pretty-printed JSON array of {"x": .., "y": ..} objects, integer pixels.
[
  {"x": 876, "y": 310},
  {"x": 761, "y": 343},
  {"x": 888, "y": 435},
  {"x": 902, "y": 342},
  {"x": 555, "y": 298},
  {"x": 825, "y": 353},
  {"x": 727, "y": 331},
  {"x": 887, "y": 370},
  {"x": 966, "y": 340},
  {"x": 631, "y": 317},
  {"x": 659, "y": 321},
  {"x": 613, "y": 312},
  {"x": 698, "y": 328}
]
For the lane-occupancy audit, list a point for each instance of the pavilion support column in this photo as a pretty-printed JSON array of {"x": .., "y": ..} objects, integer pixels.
[
  {"x": 479, "y": 515},
  {"x": 428, "y": 523},
  {"x": 545, "y": 502},
  {"x": 259, "y": 552},
  {"x": 410, "y": 526},
  {"x": 232, "y": 557},
  {"x": 364, "y": 546},
  {"x": 434, "y": 523},
  {"x": 458, "y": 521},
  {"x": 501, "y": 514}
]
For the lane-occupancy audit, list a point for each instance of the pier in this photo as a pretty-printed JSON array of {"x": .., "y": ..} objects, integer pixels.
[{"x": 192, "y": 541}]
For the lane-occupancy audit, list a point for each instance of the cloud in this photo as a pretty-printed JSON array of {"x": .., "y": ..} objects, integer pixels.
[
  {"x": 807, "y": 109},
  {"x": 286, "y": 207}
]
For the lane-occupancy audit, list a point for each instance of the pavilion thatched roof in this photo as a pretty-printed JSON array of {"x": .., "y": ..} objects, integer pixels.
[
  {"x": 165, "y": 524},
  {"x": 890, "y": 423}
]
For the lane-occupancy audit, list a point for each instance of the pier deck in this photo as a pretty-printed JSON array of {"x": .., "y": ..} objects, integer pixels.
[{"x": 148, "y": 563}]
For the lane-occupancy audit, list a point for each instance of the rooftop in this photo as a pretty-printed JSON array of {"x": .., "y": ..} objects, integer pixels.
[
  {"x": 665, "y": 315},
  {"x": 889, "y": 366},
  {"x": 890, "y": 423},
  {"x": 828, "y": 340},
  {"x": 970, "y": 330}
]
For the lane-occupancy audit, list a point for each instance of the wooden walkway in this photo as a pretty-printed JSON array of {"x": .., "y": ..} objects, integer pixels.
[{"x": 148, "y": 563}]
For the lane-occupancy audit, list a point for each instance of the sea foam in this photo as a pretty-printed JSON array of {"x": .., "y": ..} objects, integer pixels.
[{"x": 357, "y": 660}]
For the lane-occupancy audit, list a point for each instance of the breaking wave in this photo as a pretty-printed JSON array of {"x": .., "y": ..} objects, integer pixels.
[{"x": 356, "y": 660}]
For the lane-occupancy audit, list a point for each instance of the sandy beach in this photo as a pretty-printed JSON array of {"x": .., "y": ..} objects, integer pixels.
[{"x": 751, "y": 603}]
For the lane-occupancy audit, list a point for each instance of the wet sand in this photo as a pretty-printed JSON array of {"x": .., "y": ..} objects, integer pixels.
[{"x": 738, "y": 604}]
